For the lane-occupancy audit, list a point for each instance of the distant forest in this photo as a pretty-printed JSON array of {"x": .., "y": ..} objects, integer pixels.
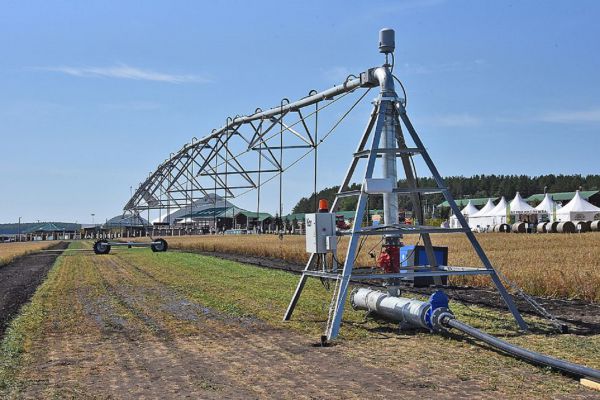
[{"x": 475, "y": 187}]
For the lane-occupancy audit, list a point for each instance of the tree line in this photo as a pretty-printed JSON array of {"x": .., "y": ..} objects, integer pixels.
[{"x": 476, "y": 186}]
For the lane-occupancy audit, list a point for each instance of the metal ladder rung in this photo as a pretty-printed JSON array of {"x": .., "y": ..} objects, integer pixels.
[
  {"x": 396, "y": 151},
  {"x": 348, "y": 193},
  {"x": 400, "y": 191},
  {"x": 415, "y": 230},
  {"x": 441, "y": 271},
  {"x": 419, "y": 190}
]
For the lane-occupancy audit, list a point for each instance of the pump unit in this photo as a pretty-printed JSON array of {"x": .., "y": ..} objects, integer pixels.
[
  {"x": 414, "y": 256},
  {"x": 320, "y": 233}
]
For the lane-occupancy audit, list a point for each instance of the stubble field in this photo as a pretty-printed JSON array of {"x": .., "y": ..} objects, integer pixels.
[{"x": 9, "y": 251}]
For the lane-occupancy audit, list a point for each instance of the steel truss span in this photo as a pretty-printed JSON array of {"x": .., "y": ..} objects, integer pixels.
[{"x": 245, "y": 153}]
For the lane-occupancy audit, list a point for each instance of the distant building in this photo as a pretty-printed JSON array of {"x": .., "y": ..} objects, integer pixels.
[
  {"x": 591, "y": 196},
  {"x": 51, "y": 231}
]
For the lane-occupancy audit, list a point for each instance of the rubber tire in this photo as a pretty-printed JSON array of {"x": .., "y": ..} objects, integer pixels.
[
  {"x": 101, "y": 247},
  {"x": 162, "y": 246}
]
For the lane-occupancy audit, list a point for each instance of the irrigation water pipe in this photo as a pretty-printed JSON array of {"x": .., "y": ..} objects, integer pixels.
[
  {"x": 577, "y": 370},
  {"x": 437, "y": 317}
]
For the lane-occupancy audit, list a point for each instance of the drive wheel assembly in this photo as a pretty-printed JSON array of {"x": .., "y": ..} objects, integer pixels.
[
  {"x": 101, "y": 247},
  {"x": 159, "y": 245}
]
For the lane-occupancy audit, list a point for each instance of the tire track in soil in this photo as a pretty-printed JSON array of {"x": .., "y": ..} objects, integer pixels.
[
  {"x": 255, "y": 353},
  {"x": 127, "y": 360}
]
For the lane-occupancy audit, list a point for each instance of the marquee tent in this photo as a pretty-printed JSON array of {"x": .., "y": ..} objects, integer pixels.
[
  {"x": 518, "y": 206},
  {"x": 548, "y": 206},
  {"x": 483, "y": 220},
  {"x": 467, "y": 211},
  {"x": 489, "y": 206},
  {"x": 578, "y": 209}
]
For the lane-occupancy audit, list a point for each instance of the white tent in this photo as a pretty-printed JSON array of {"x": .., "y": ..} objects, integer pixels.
[
  {"x": 498, "y": 213},
  {"x": 489, "y": 206},
  {"x": 480, "y": 220},
  {"x": 578, "y": 209},
  {"x": 518, "y": 206},
  {"x": 548, "y": 206},
  {"x": 484, "y": 220},
  {"x": 469, "y": 210}
]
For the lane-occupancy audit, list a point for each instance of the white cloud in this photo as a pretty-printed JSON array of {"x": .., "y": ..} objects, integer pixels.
[
  {"x": 123, "y": 71},
  {"x": 570, "y": 117}
]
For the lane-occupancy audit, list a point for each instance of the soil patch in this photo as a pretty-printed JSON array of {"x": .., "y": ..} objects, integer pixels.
[{"x": 20, "y": 278}]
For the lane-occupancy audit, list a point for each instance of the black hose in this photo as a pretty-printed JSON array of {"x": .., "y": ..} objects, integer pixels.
[{"x": 519, "y": 352}]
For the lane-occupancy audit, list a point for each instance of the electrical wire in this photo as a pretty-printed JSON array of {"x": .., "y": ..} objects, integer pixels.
[{"x": 403, "y": 91}]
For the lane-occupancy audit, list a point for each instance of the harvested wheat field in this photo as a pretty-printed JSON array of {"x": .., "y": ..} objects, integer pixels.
[
  {"x": 549, "y": 265},
  {"x": 137, "y": 324},
  {"x": 9, "y": 251}
]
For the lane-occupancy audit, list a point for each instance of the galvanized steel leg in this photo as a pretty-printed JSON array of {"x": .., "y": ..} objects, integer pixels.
[
  {"x": 340, "y": 299},
  {"x": 415, "y": 198},
  {"x": 299, "y": 288},
  {"x": 470, "y": 235}
]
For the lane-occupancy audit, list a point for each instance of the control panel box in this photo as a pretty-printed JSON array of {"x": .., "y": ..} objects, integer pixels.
[{"x": 320, "y": 233}]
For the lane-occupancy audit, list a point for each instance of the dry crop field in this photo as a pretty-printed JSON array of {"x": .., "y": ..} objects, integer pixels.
[
  {"x": 9, "y": 251},
  {"x": 136, "y": 324},
  {"x": 550, "y": 265}
]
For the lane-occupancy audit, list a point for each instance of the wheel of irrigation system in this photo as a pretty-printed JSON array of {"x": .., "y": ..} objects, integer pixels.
[
  {"x": 101, "y": 247},
  {"x": 159, "y": 245}
]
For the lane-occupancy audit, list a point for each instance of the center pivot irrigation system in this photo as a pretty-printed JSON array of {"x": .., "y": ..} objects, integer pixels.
[{"x": 248, "y": 151}]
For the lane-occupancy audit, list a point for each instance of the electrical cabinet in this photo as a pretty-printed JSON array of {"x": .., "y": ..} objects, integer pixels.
[{"x": 320, "y": 233}]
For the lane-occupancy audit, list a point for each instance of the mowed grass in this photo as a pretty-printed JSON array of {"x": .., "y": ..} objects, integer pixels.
[
  {"x": 238, "y": 290},
  {"x": 10, "y": 251},
  {"x": 550, "y": 265}
]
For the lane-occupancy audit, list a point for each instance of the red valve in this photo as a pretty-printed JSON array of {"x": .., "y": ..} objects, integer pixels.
[{"x": 389, "y": 259}]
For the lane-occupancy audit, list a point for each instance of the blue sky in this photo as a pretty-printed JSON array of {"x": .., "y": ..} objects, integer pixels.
[{"x": 93, "y": 95}]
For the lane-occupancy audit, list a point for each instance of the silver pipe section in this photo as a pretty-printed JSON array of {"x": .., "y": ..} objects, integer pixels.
[
  {"x": 390, "y": 171},
  {"x": 398, "y": 309},
  {"x": 347, "y": 86},
  {"x": 384, "y": 77},
  {"x": 388, "y": 141}
]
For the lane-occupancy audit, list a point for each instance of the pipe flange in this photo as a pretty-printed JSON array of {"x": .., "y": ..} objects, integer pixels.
[
  {"x": 437, "y": 316},
  {"x": 352, "y": 303}
]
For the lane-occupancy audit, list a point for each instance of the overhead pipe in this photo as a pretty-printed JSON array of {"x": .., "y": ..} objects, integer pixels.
[{"x": 369, "y": 78}]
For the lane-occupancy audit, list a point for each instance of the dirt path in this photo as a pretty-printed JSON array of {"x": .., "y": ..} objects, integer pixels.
[
  {"x": 581, "y": 317},
  {"x": 19, "y": 280}
]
